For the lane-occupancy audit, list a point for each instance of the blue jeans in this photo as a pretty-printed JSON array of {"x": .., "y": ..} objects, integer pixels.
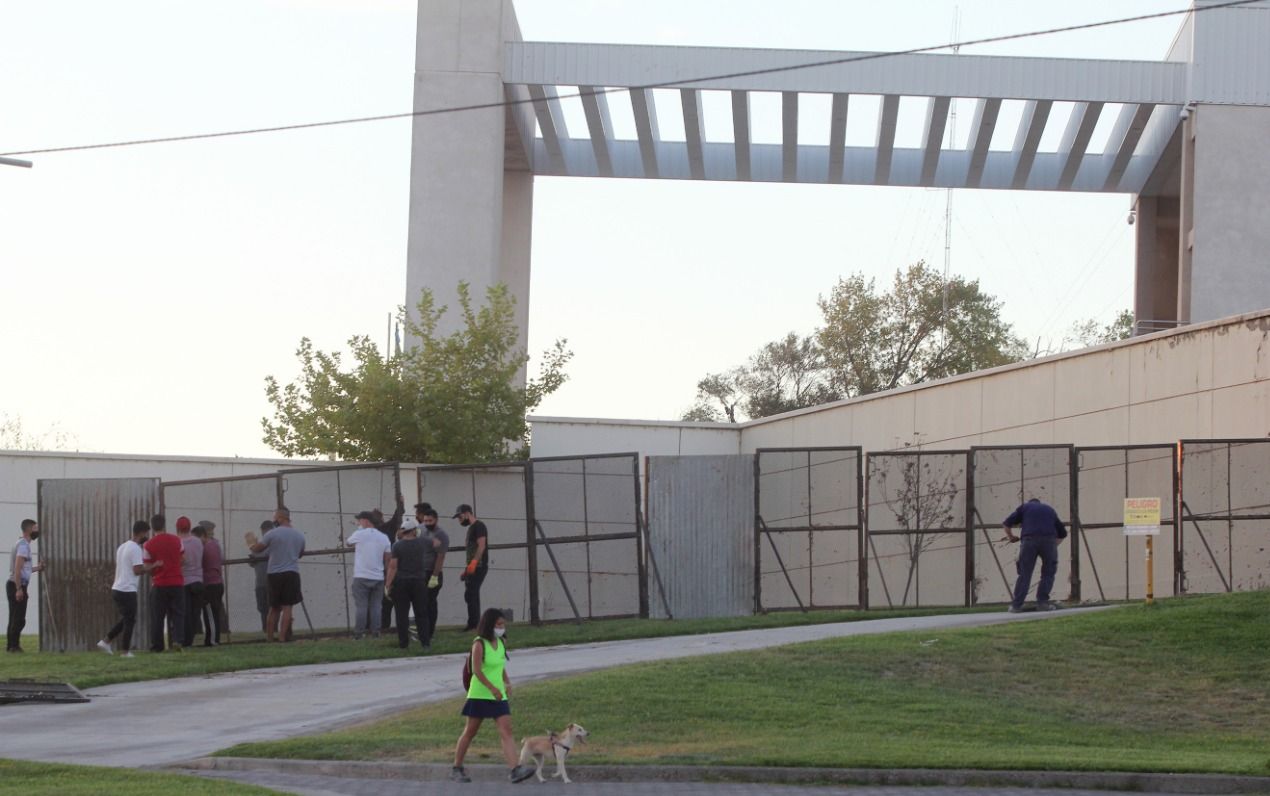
[
  {"x": 367, "y": 595},
  {"x": 1030, "y": 548}
]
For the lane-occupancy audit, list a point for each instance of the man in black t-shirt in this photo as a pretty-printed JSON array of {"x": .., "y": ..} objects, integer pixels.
[
  {"x": 407, "y": 581},
  {"x": 477, "y": 548}
]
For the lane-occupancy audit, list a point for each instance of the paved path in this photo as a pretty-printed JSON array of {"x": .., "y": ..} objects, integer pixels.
[
  {"x": 312, "y": 785},
  {"x": 137, "y": 724}
]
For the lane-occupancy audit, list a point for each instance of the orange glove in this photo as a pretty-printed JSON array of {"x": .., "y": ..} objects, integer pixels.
[{"x": 471, "y": 567}]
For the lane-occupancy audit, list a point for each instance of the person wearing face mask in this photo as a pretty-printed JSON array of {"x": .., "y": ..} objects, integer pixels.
[
  {"x": 407, "y": 582},
  {"x": 436, "y": 543},
  {"x": 17, "y": 586},
  {"x": 487, "y": 697},
  {"x": 476, "y": 546}
]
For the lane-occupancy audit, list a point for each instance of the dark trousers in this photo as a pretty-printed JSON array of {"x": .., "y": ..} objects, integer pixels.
[
  {"x": 17, "y": 615},
  {"x": 385, "y": 615},
  {"x": 126, "y": 603},
  {"x": 213, "y": 612},
  {"x": 168, "y": 607},
  {"x": 193, "y": 612},
  {"x": 472, "y": 596},
  {"x": 1031, "y": 548},
  {"x": 262, "y": 606},
  {"x": 409, "y": 593},
  {"x": 430, "y": 606}
]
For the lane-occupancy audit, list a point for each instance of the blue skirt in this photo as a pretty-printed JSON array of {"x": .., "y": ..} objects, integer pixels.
[{"x": 486, "y": 708}]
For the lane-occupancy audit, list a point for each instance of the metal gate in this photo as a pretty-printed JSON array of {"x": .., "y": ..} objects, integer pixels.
[
  {"x": 82, "y": 522},
  {"x": 1225, "y": 511},
  {"x": 700, "y": 534},
  {"x": 808, "y": 528},
  {"x": 1106, "y": 475},
  {"x": 1002, "y": 478},
  {"x": 917, "y": 528},
  {"x": 566, "y": 533}
]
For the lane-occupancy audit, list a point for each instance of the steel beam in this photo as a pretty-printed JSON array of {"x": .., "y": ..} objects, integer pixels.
[
  {"x": 691, "y": 101},
  {"x": 1035, "y": 114},
  {"x": 923, "y": 75},
  {"x": 838, "y": 137},
  {"x": 936, "y": 122},
  {"x": 741, "y": 133},
  {"x": 550, "y": 121},
  {"x": 1080, "y": 127},
  {"x": 789, "y": 136},
  {"x": 645, "y": 111},
  {"x": 600, "y": 125},
  {"x": 1125, "y": 136},
  {"x": 981, "y": 130},
  {"x": 886, "y": 138}
]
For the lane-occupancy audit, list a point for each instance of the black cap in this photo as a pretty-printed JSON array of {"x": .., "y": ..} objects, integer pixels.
[
  {"x": 423, "y": 507},
  {"x": 365, "y": 515},
  {"x": 462, "y": 508}
]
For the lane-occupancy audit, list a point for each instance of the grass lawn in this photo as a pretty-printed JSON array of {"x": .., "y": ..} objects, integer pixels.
[
  {"x": 95, "y": 668},
  {"x": 1177, "y": 686},
  {"x": 20, "y": 777}
]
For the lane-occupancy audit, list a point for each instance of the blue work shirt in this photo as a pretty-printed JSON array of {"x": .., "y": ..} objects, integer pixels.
[{"x": 1037, "y": 519}]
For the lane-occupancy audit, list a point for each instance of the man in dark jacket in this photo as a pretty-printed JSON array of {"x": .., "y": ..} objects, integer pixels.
[{"x": 1041, "y": 531}]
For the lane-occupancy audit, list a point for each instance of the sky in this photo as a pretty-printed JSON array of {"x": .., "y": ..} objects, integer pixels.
[{"x": 146, "y": 292}]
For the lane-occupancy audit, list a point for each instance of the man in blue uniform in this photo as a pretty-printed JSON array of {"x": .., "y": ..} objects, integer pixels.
[{"x": 1040, "y": 532}]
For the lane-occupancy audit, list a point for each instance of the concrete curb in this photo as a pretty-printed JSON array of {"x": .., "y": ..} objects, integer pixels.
[{"x": 1088, "y": 780}]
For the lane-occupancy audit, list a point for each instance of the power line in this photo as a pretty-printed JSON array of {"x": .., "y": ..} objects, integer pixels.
[{"x": 648, "y": 86}]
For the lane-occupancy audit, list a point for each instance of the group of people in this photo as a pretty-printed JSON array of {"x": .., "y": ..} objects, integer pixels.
[
  {"x": 187, "y": 582},
  {"x": 398, "y": 568}
]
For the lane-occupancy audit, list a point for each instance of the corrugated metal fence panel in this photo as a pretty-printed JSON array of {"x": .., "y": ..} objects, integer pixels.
[
  {"x": 701, "y": 532},
  {"x": 82, "y": 522}
]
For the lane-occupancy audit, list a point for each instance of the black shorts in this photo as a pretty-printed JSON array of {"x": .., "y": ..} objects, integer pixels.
[
  {"x": 284, "y": 589},
  {"x": 486, "y": 708}
]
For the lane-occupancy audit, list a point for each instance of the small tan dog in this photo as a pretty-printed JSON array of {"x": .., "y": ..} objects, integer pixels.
[{"x": 557, "y": 743}]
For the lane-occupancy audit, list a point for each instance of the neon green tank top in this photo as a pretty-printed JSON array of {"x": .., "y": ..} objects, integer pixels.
[{"x": 492, "y": 667}]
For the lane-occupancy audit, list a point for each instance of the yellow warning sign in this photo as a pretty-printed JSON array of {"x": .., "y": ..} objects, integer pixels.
[{"x": 1141, "y": 516}]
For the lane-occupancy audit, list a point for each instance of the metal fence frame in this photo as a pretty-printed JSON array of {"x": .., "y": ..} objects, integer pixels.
[
  {"x": 536, "y": 537},
  {"x": 761, "y": 528},
  {"x": 1079, "y": 524},
  {"x": 965, "y": 529},
  {"x": 1185, "y": 514}
]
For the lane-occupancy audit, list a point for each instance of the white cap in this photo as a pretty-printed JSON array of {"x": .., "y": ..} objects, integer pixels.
[{"x": 409, "y": 524}]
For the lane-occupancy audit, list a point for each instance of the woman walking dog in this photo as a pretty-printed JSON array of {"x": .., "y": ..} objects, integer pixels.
[{"x": 485, "y": 700}]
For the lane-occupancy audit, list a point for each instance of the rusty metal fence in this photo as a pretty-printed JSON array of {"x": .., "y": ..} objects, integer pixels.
[{"x": 808, "y": 510}]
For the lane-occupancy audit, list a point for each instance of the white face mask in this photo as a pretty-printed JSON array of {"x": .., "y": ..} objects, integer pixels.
[{"x": 499, "y": 631}]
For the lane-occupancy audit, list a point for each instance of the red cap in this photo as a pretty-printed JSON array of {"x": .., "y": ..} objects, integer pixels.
[{"x": 182, "y": 524}]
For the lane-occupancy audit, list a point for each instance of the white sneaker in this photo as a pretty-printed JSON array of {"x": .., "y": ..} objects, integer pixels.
[
  {"x": 104, "y": 647},
  {"x": 127, "y": 655}
]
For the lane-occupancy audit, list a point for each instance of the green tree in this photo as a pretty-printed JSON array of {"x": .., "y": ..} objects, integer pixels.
[
  {"x": 875, "y": 341},
  {"x": 870, "y": 341},
  {"x": 1090, "y": 333},
  {"x": 448, "y": 399}
]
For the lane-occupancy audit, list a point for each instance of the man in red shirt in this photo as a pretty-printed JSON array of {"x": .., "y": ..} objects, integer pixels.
[{"x": 167, "y": 585}]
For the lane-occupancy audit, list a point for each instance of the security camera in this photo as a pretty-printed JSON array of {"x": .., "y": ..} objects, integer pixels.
[
  {"x": 1184, "y": 114},
  {"x": 1133, "y": 216}
]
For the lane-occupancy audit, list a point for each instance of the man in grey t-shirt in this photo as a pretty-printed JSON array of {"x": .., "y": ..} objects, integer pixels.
[{"x": 284, "y": 545}]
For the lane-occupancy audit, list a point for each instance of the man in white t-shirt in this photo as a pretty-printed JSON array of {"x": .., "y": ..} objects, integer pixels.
[
  {"x": 129, "y": 564},
  {"x": 371, "y": 550}
]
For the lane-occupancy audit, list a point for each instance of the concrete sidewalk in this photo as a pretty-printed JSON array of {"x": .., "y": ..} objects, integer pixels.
[{"x": 169, "y": 721}]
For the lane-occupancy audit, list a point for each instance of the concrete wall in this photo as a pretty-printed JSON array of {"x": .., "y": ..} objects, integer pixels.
[
  {"x": 1230, "y": 256},
  {"x": 1204, "y": 380}
]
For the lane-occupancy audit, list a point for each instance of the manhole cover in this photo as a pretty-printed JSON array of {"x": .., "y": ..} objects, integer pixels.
[{"x": 37, "y": 691}]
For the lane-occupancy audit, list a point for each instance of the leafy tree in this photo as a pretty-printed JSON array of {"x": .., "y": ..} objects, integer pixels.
[
  {"x": 448, "y": 399},
  {"x": 870, "y": 341},
  {"x": 873, "y": 342},
  {"x": 1089, "y": 333},
  {"x": 15, "y": 436}
]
